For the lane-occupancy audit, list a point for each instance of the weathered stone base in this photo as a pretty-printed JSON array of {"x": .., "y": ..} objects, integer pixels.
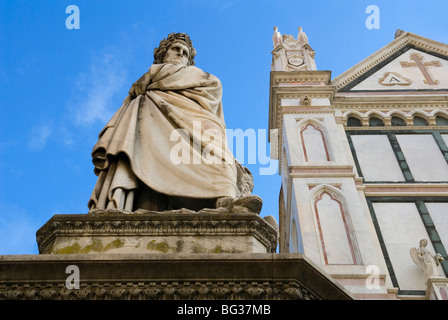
[
  {"x": 166, "y": 277},
  {"x": 181, "y": 231}
]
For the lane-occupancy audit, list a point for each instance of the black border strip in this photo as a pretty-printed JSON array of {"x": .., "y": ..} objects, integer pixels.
[
  {"x": 441, "y": 143},
  {"x": 354, "y": 154},
  {"x": 399, "y": 155}
]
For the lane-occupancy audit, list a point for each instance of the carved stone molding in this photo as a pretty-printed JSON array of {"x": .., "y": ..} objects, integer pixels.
[
  {"x": 117, "y": 231},
  {"x": 227, "y": 276},
  {"x": 305, "y": 100},
  {"x": 172, "y": 290}
]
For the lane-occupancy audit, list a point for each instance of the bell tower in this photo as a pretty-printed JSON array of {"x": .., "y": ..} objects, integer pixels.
[{"x": 292, "y": 54}]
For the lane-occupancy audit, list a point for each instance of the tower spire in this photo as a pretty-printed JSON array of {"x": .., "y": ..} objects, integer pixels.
[
  {"x": 277, "y": 37},
  {"x": 292, "y": 54},
  {"x": 301, "y": 37}
]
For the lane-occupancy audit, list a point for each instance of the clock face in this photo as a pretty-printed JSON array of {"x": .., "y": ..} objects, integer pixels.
[{"x": 295, "y": 61}]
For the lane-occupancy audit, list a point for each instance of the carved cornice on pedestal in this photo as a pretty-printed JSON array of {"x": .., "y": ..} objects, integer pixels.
[{"x": 156, "y": 225}]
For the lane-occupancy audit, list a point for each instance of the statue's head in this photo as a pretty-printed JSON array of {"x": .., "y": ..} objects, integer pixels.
[
  {"x": 423, "y": 243},
  {"x": 176, "y": 41}
]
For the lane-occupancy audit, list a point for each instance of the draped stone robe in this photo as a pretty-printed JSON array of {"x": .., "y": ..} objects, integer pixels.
[{"x": 161, "y": 144}]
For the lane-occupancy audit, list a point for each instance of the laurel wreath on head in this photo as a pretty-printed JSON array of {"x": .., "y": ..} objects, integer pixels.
[{"x": 159, "y": 52}]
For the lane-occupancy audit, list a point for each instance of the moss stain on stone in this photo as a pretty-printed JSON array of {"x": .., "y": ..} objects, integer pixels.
[
  {"x": 117, "y": 243},
  {"x": 197, "y": 248},
  {"x": 75, "y": 248},
  {"x": 153, "y": 245},
  {"x": 159, "y": 246},
  {"x": 96, "y": 245},
  {"x": 218, "y": 249}
]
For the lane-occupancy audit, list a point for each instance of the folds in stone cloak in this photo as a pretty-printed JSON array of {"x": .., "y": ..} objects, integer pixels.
[{"x": 172, "y": 139}]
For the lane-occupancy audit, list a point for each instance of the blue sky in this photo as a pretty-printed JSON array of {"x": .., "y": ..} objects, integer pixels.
[{"x": 58, "y": 87}]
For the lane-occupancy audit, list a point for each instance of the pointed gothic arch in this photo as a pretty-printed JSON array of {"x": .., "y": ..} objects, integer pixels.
[
  {"x": 334, "y": 227},
  {"x": 354, "y": 114},
  {"x": 419, "y": 117},
  {"x": 441, "y": 117},
  {"x": 314, "y": 138},
  {"x": 397, "y": 118}
]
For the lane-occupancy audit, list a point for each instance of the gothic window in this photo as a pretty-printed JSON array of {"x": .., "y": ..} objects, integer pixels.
[
  {"x": 376, "y": 122},
  {"x": 441, "y": 121},
  {"x": 419, "y": 121},
  {"x": 396, "y": 122},
  {"x": 354, "y": 122}
]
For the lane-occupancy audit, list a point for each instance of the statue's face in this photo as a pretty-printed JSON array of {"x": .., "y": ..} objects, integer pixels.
[{"x": 177, "y": 52}]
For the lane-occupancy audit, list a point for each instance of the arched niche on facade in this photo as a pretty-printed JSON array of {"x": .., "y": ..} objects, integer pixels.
[
  {"x": 353, "y": 121},
  {"x": 397, "y": 121},
  {"x": 419, "y": 121},
  {"x": 375, "y": 121},
  {"x": 441, "y": 120},
  {"x": 376, "y": 118},
  {"x": 334, "y": 227},
  {"x": 314, "y": 139}
]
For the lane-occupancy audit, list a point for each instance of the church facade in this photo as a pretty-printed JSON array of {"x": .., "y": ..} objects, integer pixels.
[{"x": 363, "y": 160}]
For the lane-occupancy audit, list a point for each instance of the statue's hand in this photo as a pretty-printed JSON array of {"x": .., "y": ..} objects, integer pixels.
[{"x": 139, "y": 87}]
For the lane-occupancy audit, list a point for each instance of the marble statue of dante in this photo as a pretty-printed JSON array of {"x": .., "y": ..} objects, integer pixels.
[
  {"x": 426, "y": 261},
  {"x": 154, "y": 153}
]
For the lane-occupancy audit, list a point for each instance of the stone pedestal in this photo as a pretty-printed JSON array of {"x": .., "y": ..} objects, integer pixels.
[
  {"x": 166, "y": 276},
  {"x": 180, "y": 231},
  {"x": 115, "y": 255},
  {"x": 437, "y": 289}
]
